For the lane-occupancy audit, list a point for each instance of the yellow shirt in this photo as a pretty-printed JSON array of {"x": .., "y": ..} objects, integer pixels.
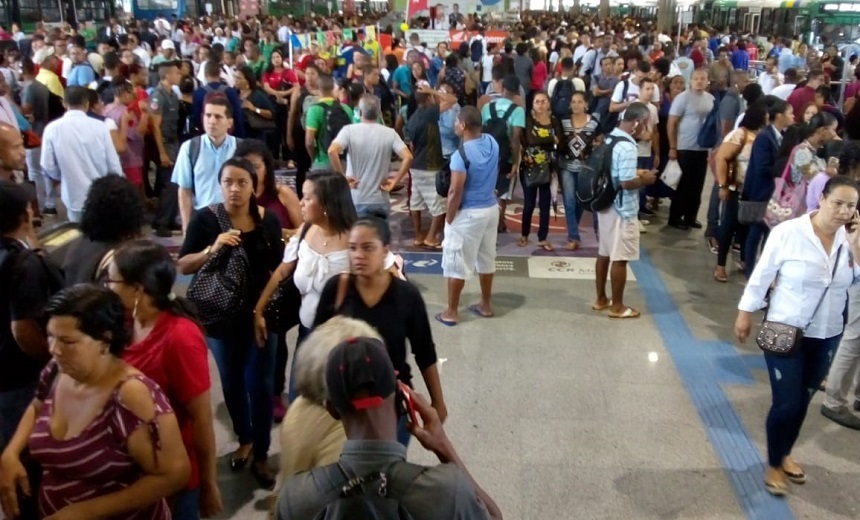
[
  {"x": 310, "y": 438},
  {"x": 373, "y": 49},
  {"x": 49, "y": 79}
]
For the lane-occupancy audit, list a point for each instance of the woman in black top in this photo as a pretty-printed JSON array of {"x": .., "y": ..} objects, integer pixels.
[
  {"x": 113, "y": 214},
  {"x": 246, "y": 369},
  {"x": 393, "y": 306},
  {"x": 259, "y": 112},
  {"x": 540, "y": 142}
]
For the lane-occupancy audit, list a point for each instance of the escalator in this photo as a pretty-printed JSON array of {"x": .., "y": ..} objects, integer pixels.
[{"x": 56, "y": 240}]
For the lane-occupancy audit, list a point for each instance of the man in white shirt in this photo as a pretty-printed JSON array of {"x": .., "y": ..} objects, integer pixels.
[
  {"x": 792, "y": 77},
  {"x": 284, "y": 31},
  {"x": 771, "y": 78},
  {"x": 76, "y": 150}
]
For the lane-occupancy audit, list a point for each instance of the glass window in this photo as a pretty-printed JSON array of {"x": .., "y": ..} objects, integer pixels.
[
  {"x": 38, "y": 10},
  {"x": 159, "y": 5}
]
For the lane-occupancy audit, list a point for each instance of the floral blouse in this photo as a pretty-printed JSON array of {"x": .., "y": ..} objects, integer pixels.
[{"x": 540, "y": 141}]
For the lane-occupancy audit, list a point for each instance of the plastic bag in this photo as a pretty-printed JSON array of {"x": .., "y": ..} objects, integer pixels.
[{"x": 672, "y": 175}]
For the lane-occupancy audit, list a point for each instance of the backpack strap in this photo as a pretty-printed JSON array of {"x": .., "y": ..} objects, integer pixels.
[
  {"x": 193, "y": 154},
  {"x": 223, "y": 219},
  {"x": 509, "y": 111},
  {"x": 400, "y": 475},
  {"x": 462, "y": 151},
  {"x": 493, "y": 114},
  {"x": 402, "y": 479}
]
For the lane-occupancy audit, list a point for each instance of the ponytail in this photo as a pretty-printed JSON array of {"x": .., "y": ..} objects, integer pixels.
[
  {"x": 180, "y": 307},
  {"x": 254, "y": 210}
]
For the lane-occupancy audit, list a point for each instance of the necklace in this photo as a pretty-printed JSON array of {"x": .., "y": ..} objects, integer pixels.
[{"x": 325, "y": 238}]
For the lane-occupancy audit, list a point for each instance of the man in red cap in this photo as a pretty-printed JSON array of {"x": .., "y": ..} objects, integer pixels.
[{"x": 372, "y": 473}]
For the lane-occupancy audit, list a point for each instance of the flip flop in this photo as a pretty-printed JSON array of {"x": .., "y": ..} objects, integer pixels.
[
  {"x": 476, "y": 310},
  {"x": 797, "y": 478},
  {"x": 443, "y": 321},
  {"x": 777, "y": 490},
  {"x": 546, "y": 246},
  {"x": 430, "y": 245},
  {"x": 572, "y": 245},
  {"x": 600, "y": 308},
  {"x": 629, "y": 313}
]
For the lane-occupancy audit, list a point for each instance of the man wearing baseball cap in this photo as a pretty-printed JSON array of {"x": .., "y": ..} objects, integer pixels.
[{"x": 363, "y": 394}]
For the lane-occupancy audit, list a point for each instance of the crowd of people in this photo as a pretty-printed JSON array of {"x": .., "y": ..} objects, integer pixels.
[{"x": 178, "y": 127}]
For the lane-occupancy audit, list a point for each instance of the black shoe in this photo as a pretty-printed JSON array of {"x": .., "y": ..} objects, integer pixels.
[
  {"x": 49, "y": 212},
  {"x": 238, "y": 464},
  {"x": 857, "y": 406},
  {"x": 679, "y": 225},
  {"x": 696, "y": 225},
  {"x": 163, "y": 232},
  {"x": 842, "y": 416},
  {"x": 265, "y": 481}
]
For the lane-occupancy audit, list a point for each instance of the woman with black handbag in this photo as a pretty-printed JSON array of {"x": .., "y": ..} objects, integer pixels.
[
  {"x": 540, "y": 142},
  {"x": 810, "y": 259},
  {"x": 232, "y": 249}
]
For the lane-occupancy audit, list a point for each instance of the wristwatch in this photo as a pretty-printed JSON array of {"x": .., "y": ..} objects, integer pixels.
[
  {"x": 208, "y": 250},
  {"x": 257, "y": 110}
]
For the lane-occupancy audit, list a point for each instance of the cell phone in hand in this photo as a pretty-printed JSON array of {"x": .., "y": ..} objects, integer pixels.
[
  {"x": 404, "y": 403},
  {"x": 850, "y": 226}
]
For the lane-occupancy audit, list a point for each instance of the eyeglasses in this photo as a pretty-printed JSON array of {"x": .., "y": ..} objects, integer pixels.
[{"x": 108, "y": 281}]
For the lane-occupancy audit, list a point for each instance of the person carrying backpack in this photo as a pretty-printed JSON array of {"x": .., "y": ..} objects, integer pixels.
[
  {"x": 505, "y": 122},
  {"x": 615, "y": 181},
  {"x": 378, "y": 483},
  {"x": 324, "y": 120},
  {"x": 561, "y": 90}
]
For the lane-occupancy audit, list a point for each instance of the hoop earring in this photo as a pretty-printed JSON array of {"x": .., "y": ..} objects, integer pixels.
[{"x": 134, "y": 309}]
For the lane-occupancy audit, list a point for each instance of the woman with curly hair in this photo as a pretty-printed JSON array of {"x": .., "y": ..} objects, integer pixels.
[{"x": 113, "y": 214}]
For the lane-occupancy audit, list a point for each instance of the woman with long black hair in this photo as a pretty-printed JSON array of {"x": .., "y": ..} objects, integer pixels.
[{"x": 239, "y": 226}]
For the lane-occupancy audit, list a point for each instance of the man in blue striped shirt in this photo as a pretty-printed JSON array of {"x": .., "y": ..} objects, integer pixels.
[{"x": 618, "y": 240}]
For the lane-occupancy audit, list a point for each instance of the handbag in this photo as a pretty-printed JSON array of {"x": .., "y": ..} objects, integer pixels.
[
  {"x": 218, "y": 290},
  {"x": 282, "y": 312},
  {"x": 258, "y": 122},
  {"x": 536, "y": 174},
  {"x": 31, "y": 139},
  {"x": 782, "y": 339},
  {"x": 788, "y": 200}
]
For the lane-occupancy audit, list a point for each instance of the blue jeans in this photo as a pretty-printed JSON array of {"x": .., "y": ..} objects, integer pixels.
[
  {"x": 13, "y": 404},
  {"x": 186, "y": 505},
  {"x": 377, "y": 210},
  {"x": 292, "y": 393},
  {"x": 793, "y": 381},
  {"x": 248, "y": 381},
  {"x": 756, "y": 235},
  {"x": 572, "y": 208}
]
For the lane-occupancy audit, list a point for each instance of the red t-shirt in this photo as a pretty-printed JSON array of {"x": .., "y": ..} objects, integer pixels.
[
  {"x": 174, "y": 355},
  {"x": 698, "y": 58},
  {"x": 278, "y": 80}
]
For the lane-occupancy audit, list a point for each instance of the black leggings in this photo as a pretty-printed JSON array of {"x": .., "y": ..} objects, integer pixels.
[
  {"x": 530, "y": 196},
  {"x": 688, "y": 196}
]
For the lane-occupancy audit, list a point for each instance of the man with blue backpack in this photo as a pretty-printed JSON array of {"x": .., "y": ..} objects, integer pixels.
[{"x": 689, "y": 144}]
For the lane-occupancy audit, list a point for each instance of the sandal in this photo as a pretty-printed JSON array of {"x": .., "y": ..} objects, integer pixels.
[
  {"x": 523, "y": 242},
  {"x": 777, "y": 489},
  {"x": 720, "y": 274},
  {"x": 629, "y": 313},
  {"x": 430, "y": 245},
  {"x": 601, "y": 307},
  {"x": 546, "y": 246},
  {"x": 573, "y": 245}
]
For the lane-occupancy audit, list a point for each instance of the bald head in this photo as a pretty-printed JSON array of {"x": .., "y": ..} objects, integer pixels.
[{"x": 12, "y": 155}]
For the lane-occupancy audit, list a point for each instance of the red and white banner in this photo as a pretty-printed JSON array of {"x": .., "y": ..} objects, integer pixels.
[{"x": 457, "y": 36}]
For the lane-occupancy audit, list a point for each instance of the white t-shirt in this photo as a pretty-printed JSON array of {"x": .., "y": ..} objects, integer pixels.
[
  {"x": 487, "y": 68},
  {"x": 783, "y": 91},
  {"x": 768, "y": 82},
  {"x": 111, "y": 124},
  {"x": 578, "y": 85},
  {"x": 632, "y": 93}
]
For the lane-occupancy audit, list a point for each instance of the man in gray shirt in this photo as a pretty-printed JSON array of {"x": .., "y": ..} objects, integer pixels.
[
  {"x": 524, "y": 67},
  {"x": 369, "y": 146},
  {"x": 364, "y": 394},
  {"x": 686, "y": 117}
]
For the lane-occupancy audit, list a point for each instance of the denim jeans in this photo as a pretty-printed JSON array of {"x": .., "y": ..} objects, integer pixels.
[
  {"x": 248, "y": 381},
  {"x": 376, "y": 210},
  {"x": 572, "y": 208},
  {"x": 714, "y": 207},
  {"x": 793, "y": 381},
  {"x": 186, "y": 505},
  {"x": 530, "y": 198},
  {"x": 756, "y": 236},
  {"x": 292, "y": 393},
  {"x": 730, "y": 229},
  {"x": 13, "y": 404}
]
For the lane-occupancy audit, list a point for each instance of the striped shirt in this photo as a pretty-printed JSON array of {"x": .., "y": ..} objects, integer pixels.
[
  {"x": 96, "y": 462},
  {"x": 624, "y": 161}
]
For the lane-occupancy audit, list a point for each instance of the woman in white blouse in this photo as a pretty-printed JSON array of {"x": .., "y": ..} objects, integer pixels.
[
  {"x": 810, "y": 259},
  {"x": 328, "y": 213}
]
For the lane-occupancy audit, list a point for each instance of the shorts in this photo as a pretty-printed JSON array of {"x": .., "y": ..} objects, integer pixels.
[
  {"x": 619, "y": 237},
  {"x": 134, "y": 175},
  {"x": 505, "y": 187},
  {"x": 470, "y": 243},
  {"x": 423, "y": 196}
]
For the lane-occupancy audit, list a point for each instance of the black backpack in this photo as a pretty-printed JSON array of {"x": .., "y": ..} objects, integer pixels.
[
  {"x": 376, "y": 496},
  {"x": 443, "y": 177},
  {"x": 476, "y": 50},
  {"x": 595, "y": 189},
  {"x": 334, "y": 119},
  {"x": 611, "y": 120},
  {"x": 497, "y": 127},
  {"x": 12, "y": 258},
  {"x": 562, "y": 95}
]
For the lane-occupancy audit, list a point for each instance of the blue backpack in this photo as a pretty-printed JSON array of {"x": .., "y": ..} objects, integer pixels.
[{"x": 709, "y": 135}]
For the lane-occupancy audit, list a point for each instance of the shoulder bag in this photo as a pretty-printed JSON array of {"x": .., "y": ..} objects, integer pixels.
[
  {"x": 782, "y": 339},
  {"x": 282, "y": 312},
  {"x": 219, "y": 288},
  {"x": 788, "y": 200}
]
